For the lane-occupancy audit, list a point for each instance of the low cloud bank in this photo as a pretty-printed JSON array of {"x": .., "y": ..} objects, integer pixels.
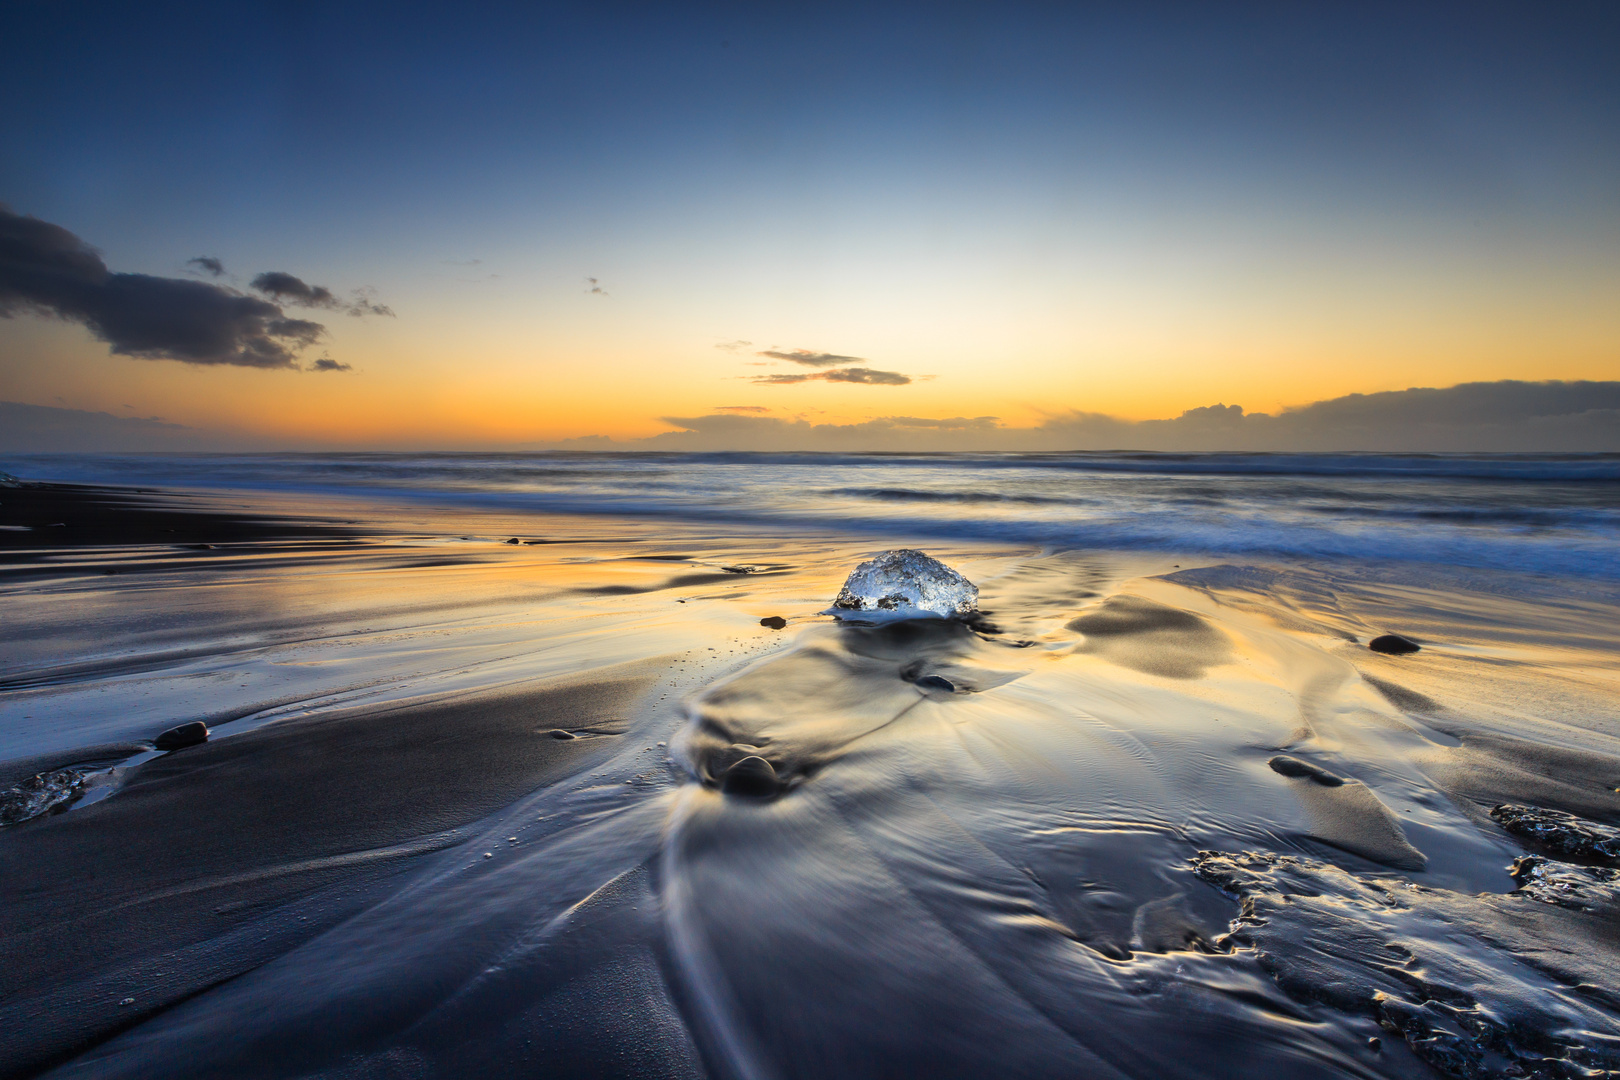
[{"x": 1508, "y": 417}]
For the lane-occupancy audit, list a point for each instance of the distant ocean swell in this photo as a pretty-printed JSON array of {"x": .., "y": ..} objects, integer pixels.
[{"x": 1551, "y": 514}]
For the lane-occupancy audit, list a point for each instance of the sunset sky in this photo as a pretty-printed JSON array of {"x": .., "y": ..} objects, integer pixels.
[{"x": 565, "y": 221}]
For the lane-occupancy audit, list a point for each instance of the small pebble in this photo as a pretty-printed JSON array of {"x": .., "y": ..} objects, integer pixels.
[
  {"x": 1393, "y": 645},
  {"x": 775, "y": 622},
  {"x": 127, "y": 1001},
  {"x": 559, "y": 733},
  {"x": 489, "y": 854},
  {"x": 514, "y": 540}
]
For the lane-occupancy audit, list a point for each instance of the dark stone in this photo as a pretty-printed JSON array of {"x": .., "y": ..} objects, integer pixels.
[
  {"x": 937, "y": 682},
  {"x": 753, "y": 777},
  {"x": 1393, "y": 645},
  {"x": 775, "y": 622},
  {"x": 177, "y": 738},
  {"x": 1562, "y": 834},
  {"x": 514, "y": 540},
  {"x": 1292, "y": 766},
  {"x": 559, "y": 733}
]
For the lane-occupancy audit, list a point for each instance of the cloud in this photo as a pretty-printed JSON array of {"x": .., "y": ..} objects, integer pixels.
[
  {"x": 734, "y": 346},
  {"x": 955, "y": 423},
  {"x": 284, "y": 288},
  {"x": 808, "y": 358},
  {"x": 595, "y": 289},
  {"x": 1503, "y": 417},
  {"x": 742, "y": 408},
  {"x": 326, "y": 363},
  {"x": 208, "y": 263},
  {"x": 866, "y": 376},
  {"x": 46, "y": 269}
]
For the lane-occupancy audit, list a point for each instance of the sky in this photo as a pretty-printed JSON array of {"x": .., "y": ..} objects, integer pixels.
[{"x": 410, "y": 226}]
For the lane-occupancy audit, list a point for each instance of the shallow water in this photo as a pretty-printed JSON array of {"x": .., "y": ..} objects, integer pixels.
[
  {"x": 1551, "y": 513},
  {"x": 1002, "y": 877}
]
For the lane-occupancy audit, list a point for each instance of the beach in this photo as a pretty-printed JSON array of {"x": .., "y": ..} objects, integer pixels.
[{"x": 1158, "y": 811}]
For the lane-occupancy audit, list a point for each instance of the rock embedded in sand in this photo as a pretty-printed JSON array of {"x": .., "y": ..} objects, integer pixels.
[
  {"x": 906, "y": 584},
  {"x": 752, "y": 776},
  {"x": 178, "y": 738},
  {"x": 559, "y": 733},
  {"x": 1393, "y": 645},
  {"x": 1560, "y": 833},
  {"x": 40, "y": 794},
  {"x": 775, "y": 622},
  {"x": 937, "y": 682},
  {"x": 1294, "y": 767}
]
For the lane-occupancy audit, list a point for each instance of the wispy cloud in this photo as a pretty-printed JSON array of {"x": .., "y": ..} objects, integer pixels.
[
  {"x": 809, "y": 358},
  {"x": 326, "y": 363},
  {"x": 865, "y": 376},
  {"x": 734, "y": 346},
  {"x": 596, "y": 288},
  {"x": 207, "y": 262}
]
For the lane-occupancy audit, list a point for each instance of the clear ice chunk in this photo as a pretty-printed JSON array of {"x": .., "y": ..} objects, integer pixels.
[
  {"x": 906, "y": 584},
  {"x": 38, "y": 794}
]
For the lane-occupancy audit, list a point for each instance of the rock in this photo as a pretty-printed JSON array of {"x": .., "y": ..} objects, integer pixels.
[
  {"x": 1292, "y": 766},
  {"x": 514, "y": 540},
  {"x": 906, "y": 584},
  {"x": 775, "y": 622},
  {"x": 40, "y": 794},
  {"x": 1393, "y": 645},
  {"x": 753, "y": 777},
  {"x": 1560, "y": 833},
  {"x": 937, "y": 682},
  {"x": 178, "y": 738},
  {"x": 559, "y": 733}
]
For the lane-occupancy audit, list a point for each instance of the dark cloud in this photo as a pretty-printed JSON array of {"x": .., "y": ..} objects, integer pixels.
[
  {"x": 845, "y": 375},
  {"x": 326, "y": 363},
  {"x": 208, "y": 263},
  {"x": 48, "y": 270},
  {"x": 596, "y": 288},
  {"x": 284, "y": 288},
  {"x": 808, "y": 358}
]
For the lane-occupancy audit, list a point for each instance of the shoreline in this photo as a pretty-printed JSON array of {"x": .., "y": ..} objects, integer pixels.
[{"x": 385, "y": 850}]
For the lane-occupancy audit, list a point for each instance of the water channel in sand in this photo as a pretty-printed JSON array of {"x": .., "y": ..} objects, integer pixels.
[{"x": 1157, "y": 816}]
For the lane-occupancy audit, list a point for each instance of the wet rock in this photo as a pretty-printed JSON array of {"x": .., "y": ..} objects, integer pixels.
[
  {"x": 1393, "y": 645},
  {"x": 40, "y": 794},
  {"x": 1479, "y": 986},
  {"x": 559, "y": 733},
  {"x": 906, "y": 584},
  {"x": 1294, "y": 767},
  {"x": 937, "y": 682},
  {"x": 753, "y": 777},
  {"x": 1560, "y": 833},
  {"x": 514, "y": 540},
  {"x": 775, "y": 622},
  {"x": 1582, "y": 888},
  {"x": 178, "y": 738}
]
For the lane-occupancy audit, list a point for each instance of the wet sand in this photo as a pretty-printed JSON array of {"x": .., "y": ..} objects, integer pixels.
[{"x": 1154, "y": 816}]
